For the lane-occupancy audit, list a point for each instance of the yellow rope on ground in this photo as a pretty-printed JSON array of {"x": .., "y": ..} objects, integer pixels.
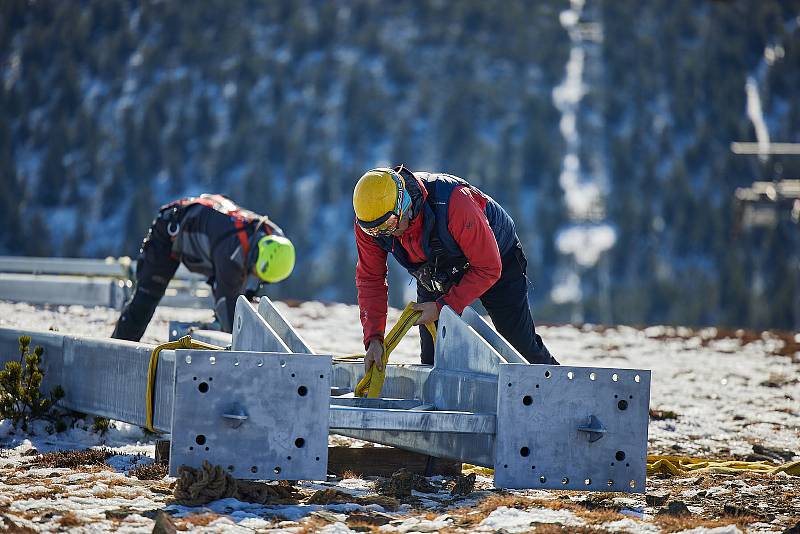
[
  {"x": 683, "y": 465},
  {"x": 372, "y": 382},
  {"x": 185, "y": 342}
]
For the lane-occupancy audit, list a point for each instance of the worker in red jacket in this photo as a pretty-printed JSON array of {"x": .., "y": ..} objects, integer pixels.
[{"x": 457, "y": 242}]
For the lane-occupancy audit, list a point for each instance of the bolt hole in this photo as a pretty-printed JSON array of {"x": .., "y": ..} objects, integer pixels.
[
  {"x": 444, "y": 331},
  {"x": 317, "y": 458},
  {"x": 210, "y": 378},
  {"x": 547, "y": 374},
  {"x": 630, "y": 396},
  {"x": 206, "y": 448},
  {"x": 299, "y": 443},
  {"x": 505, "y": 466},
  {"x": 188, "y": 359},
  {"x": 524, "y": 452},
  {"x": 302, "y": 391},
  {"x": 570, "y": 375},
  {"x": 200, "y": 439},
  {"x": 239, "y": 323},
  {"x": 533, "y": 467},
  {"x": 616, "y": 396},
  {"x": 612, "y": 464},
  {"x": 509, "y": 384},
  {"x": 322, "y": 376},
  {"x": 537, "y": 386},
  {"x": 622, "y": 405},
  {"x": 288, "y": 457},
  {"x": 283, "y": 363},
  {"x": 212, "y": 360},
  {"x": 627, "y": 465},
  {"x": 542, "y": 479},
  {"x": 620, "y": 456},
  {"x": 194, "y": 378},
  {"x": 230, "y": 468},
  {"x": 260, "y": 363},
  {"x": 236, "y": 362},
  {"x": 254, "y": 469},
  {"x": 191, "y": 448},
  {"x": 292, "y": 375},
  {"x": 610, "y": 483},
  {"x": 636, "y": 378},
  {"x": 203, "y": 387},
  {"x": 615, "y": 377},
  {"x": 527, "y": 400},
  {"x": 564, "y": 481},
  {"x": 587, "y": 481},
  {"x": 632, "y": 484},
  {"x": 592, "y": 376}
]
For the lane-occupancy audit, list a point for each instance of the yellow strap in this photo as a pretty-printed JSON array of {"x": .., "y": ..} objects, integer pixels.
[
  {"x": 683, "y": 465},
  {"x": 372, "y": 382},
  {"x": 185, "y": 342}
]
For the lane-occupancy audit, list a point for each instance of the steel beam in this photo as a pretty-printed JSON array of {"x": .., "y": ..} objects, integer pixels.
[
  {"x": 282, "y": 328},
  {"x": 109, "y": 267},
  {"x": 251, "y": 331},
  {"x": 348, "y": 417},
  {"x": 106, "y": 377},
  {"x": 63, "y": 290}
]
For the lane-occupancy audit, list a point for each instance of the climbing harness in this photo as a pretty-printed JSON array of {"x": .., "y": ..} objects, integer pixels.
[
  {"x": 372, "y": 382},
  {"x": 185, "y": 342}
]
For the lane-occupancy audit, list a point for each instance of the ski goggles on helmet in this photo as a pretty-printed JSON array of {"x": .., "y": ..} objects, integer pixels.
[{"x": 389, "y": 222}]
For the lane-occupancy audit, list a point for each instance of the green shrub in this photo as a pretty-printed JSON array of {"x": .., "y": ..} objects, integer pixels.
[{"x": 21, "y": 400}]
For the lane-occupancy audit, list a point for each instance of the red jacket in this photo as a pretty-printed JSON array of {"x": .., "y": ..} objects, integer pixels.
[{"x": 469, "y": 227}]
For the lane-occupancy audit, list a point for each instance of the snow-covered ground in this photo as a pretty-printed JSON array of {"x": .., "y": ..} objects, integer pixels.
[{"x": 729, "y": 391}]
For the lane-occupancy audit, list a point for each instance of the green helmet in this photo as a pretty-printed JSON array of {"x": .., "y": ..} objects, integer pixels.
[{"x": 275, "y": 258}]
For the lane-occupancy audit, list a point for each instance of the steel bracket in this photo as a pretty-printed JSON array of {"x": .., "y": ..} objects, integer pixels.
[
  {"x": 262, "y": 415},
  {"x": 550, "y": 421}
]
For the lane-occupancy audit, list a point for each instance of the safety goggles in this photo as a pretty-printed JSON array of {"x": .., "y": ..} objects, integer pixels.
[{"x": 389, "y": 222}]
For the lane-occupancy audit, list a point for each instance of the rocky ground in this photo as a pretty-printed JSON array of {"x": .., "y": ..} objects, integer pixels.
[{"x": 715, "y": 394}]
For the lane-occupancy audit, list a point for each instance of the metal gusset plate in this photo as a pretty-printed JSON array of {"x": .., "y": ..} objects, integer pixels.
[
  {"x": 575, "y": 428},
  {"x": 262, "y": 416}
]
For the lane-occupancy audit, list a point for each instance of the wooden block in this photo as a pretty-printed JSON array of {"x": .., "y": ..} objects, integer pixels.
[
  {"x": 384, "y": 461},
  {"x": 162, "y": 451}
]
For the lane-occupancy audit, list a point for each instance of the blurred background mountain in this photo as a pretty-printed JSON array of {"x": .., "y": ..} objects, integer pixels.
[{"x": 603, "y": 127}]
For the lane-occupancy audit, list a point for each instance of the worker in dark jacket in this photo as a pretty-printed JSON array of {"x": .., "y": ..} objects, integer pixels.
[
  {"x": 235, "y": 248},
  {"x": 456, "y": 241}
]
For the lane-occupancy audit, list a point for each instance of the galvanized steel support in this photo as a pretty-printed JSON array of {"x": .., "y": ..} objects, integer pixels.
[{"x": 264, "y": 408}]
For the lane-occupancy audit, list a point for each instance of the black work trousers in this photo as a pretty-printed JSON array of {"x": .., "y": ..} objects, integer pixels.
[
  {"x": 155, "y": 267},
  {"x": 507, "y": 304}
]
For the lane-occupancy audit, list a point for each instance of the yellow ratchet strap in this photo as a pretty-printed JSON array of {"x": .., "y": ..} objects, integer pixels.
[
  {"x": 684, "y": 465},
  {"x": 183, "y": 343},
  {"x": 370, "y": 386}
]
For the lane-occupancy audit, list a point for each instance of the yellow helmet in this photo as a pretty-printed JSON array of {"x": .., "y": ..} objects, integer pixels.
[
  {"x": 275, "y": 258},
  {"x": 380, "y": 192}
]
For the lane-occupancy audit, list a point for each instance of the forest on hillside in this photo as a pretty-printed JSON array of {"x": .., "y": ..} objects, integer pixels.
[{"x": 603, "y": 121}]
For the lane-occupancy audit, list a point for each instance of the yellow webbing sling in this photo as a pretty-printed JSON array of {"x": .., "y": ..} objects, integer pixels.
[
  {"x": 183, "y": 343},
  {"x": 370, "y": 386},
  {"x": 685, "y": 465}
]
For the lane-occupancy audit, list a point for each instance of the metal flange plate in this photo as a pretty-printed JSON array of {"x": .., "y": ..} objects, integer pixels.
[
  {"x": 261, "y": 415},
  {"x": 575, "y": 428}
]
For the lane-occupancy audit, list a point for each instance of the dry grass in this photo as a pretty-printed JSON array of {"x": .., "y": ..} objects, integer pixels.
[
  {"x": 670, "y": 523},
  {"x": 69, "y": 519},
  {"x": 347, "y": 473},
  {"x": 196, "y": 520},
  {"x": 73, "y": 459},
  {"x": 149, "y": 471}
]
